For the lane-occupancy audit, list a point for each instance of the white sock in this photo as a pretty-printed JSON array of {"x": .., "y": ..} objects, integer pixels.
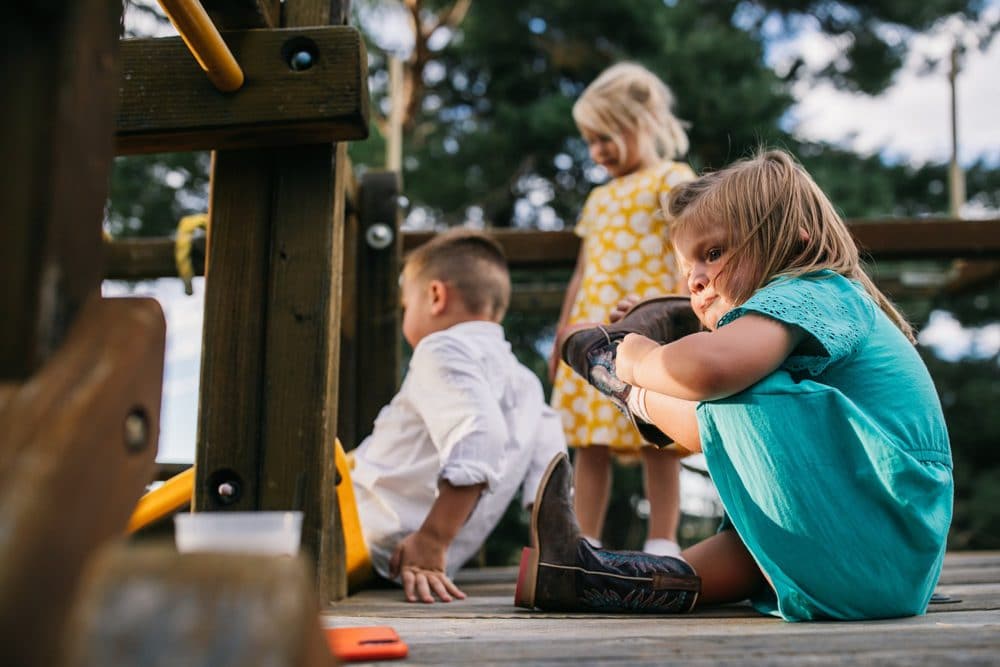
[
  {"x": 636, "y": 402},
  {"x": 659, "y": 546},
  {"x": 594, "y": 542}
]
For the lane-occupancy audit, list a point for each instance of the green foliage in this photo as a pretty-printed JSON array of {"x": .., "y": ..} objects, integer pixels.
[{"x": 151, "y": 193}]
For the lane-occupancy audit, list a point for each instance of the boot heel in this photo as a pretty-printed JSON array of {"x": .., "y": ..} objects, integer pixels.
[{"x": 527, "y": 575}]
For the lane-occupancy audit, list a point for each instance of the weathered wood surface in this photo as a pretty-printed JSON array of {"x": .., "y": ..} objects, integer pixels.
[
  {"x": 268, "y": 411},
  {"x": 246, "y": 13},
  {"x": 167, "y": 102},
  {"x": 55, "y": 129},
  {"x": 154, "y": 607},
  {"x": 77, "y": 447},
  {"x": 371, "y": 319},
  {"x": 136, "y": 259},
  {"x": 487, "y": 629}
]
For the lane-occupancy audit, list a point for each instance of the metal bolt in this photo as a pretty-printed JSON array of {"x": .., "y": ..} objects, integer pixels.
[
  {"x": 136, "y": 430},
  {"x": 226, "y": 490},
  {"x": 300, "y": 61},
  {"x": 379, "y": 236}
]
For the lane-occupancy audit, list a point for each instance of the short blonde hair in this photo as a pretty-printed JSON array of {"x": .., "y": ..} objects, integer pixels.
[
  {"x": 628, "y": 98},
  {"x": 471, "y": 262},
  {"x": 778, "y": 223}
]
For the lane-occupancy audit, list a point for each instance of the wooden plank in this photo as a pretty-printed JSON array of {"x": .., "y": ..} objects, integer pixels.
[
  {"x": 242, "y": 14},
  {"x": 302, "y": 331},
  {"x": 524, "y": 249},
  {"x": 232, "y": 348},
  {"x": 152, "y": 258},
  {"x": 350, "y": 328},
  {"x": 482, "y": 625},
  {"x": 930, "y": 238},
  {"x": 328, "y": 12},
  {"x": 168, "y": 104},
  {"x": 380, "y": 336},
  {"x": 268, "y": 416},
  {"x": 78, "y": 448},
  {"x": 55, "y": 129},
  {"x": 153, "y": 606}
]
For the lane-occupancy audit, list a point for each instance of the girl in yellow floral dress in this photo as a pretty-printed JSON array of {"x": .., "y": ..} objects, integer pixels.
[{"x": 626, "y": 119}]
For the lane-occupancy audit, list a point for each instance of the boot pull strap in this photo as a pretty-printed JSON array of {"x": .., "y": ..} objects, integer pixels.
[{"x": 676, "y": 582}]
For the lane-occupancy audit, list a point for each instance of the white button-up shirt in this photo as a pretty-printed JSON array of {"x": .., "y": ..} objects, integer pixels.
[{"x": 469, "y": 413}]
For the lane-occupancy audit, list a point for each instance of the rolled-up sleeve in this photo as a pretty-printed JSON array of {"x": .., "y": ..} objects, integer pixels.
[{"x": 462, "y": 415}]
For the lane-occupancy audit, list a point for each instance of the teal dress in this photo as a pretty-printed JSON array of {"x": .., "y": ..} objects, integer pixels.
[{"x": 835, "y": 470}]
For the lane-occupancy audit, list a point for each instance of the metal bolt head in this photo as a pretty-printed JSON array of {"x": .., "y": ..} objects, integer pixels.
[
  {"x": 136, "y": 430},
  {"x": 226, "y": 490},
  {"x": 379, "y": 236},
  {"x": 300, "y": 61}
]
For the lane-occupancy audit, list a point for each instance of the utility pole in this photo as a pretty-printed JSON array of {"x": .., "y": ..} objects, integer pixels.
[{"x": 956, "y": 178}]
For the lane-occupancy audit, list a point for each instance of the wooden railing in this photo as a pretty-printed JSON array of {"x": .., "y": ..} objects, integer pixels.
[{"x": 879, "y": 239}]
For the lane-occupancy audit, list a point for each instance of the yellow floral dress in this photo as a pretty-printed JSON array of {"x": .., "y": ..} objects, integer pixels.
[{"x": 626, "y": 251}]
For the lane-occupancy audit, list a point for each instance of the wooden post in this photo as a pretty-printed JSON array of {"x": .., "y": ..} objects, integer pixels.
[
  {"x": 58, "y": 78},
  {"x": 379, "y": 252},
  {"x": 268, "y": 411},
  {"x": 80, "y": 376},
  {"x": 956, "y": 179},
  {"x": 397, "y": 103}
]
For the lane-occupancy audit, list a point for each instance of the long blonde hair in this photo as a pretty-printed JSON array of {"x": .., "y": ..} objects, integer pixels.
[
  {"x": 628, "y": 98},
  {"x": 779, "y": 223}
]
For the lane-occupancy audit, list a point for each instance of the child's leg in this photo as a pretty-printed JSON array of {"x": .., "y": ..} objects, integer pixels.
[
  {"x": 661, "y": 477},
  {"x": 728, "y": 572},
  {"x": 592, "y": 477}
]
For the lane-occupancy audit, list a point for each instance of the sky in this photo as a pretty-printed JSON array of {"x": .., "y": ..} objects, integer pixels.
[{"x": 909, "y": 122}]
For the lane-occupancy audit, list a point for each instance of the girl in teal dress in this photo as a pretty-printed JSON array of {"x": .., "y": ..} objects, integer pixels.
[{"x": 819, "y": 422}]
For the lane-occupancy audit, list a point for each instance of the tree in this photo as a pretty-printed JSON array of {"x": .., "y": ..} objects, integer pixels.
[{"x": 495, "y": 117}]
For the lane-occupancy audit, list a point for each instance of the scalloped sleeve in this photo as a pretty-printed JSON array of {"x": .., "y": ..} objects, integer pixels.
[{"x": 836, "y": 313}]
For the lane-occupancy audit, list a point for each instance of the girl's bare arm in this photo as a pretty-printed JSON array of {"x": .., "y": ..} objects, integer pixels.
[{"x": 709, "y": 365}]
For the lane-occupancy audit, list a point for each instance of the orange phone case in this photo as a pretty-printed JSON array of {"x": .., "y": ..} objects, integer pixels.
[{"x": 374, "y": 642}]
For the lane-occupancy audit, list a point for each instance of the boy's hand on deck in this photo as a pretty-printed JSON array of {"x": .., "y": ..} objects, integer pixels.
[{"x": 419, "y": 561}]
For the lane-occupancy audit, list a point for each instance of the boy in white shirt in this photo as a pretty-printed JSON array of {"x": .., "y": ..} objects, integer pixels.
[{"x": 469, "y": 426}]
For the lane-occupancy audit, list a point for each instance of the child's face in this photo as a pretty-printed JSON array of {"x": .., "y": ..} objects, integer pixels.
[
  {"x": 703, "y": 253},
  {"x": 419, "y": 307},
  {"x": 604, "y": 151}
]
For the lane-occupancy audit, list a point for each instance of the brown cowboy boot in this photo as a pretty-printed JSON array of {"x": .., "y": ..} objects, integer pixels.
[
  {"x": 562, "y": 572},
  {"x": 591, "y": 351}
]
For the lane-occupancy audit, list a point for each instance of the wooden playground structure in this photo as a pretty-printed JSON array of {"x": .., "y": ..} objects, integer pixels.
[{"x": 301, "y": 304}]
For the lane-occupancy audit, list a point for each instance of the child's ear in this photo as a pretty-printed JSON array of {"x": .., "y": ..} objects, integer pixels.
[
  {"x": 439, "y": 296},
  {"x": 803, "y": 235}
]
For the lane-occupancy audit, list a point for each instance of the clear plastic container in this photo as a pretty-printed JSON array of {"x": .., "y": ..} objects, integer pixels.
[{"x": 274, "y": 533}]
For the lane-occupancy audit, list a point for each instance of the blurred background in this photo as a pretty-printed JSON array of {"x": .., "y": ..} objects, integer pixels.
[{"x": 890, "y": 104}]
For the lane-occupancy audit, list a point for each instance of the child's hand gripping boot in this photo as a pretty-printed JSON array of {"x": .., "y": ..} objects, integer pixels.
[{"x": 591, "y": 351}]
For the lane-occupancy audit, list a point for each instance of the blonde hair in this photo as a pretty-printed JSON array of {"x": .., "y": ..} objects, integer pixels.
[
  {"x": 628, "y": 98},
  {"x": 469, "y": 261},
  {"x": 779, "y": 223}
]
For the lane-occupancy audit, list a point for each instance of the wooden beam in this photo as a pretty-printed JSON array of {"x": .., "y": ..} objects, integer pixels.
[
  {"x": 267, "y": 418},
  {"x": 243, "y": 14},
  {"x": 371, "y": 328},
  {"x": 302, "y": 357},
  {"x": 78, "y": 448},
  {"x": 136, "y": 259},
  {"x": 58, "y": 76},
  {"x": 151, "y": 605},
  {"x": 167, "y": 103},
  {"x": 232, "y": 357},
  {"x": 931, "y": 238}
]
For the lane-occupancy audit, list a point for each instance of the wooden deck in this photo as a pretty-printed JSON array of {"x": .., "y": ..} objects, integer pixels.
[{"x": 486, "y": 629}]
